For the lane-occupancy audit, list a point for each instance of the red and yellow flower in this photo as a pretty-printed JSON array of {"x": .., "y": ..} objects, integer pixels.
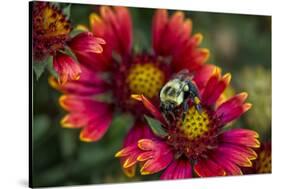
[
  {"x": 263, "y": 162},
  {"x": 119, "y": 72},
  {"x": 199, "y": 144},
  {"x": 50, "y": 35}
]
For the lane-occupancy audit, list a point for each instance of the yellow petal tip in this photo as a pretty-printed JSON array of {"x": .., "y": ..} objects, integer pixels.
[
  {"x": 82, "y": 27},
  {"x": 53, "y": 83},
  {"x": 227, "y": 78},
  {"x": 136, "y": 97},
  {"x": 199, "y": 38},
  {"x": 247, "y": 106},
  {"x": 244, "y": 95},
  {"x": 84, "y": 139},
  {"x": 118, "y": 154}
]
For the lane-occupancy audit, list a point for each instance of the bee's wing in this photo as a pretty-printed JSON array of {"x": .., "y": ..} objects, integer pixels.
[{"x": 183, "y": 75}]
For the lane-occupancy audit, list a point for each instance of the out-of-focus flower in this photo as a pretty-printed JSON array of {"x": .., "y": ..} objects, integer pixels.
[
  {"x": 198, "y": 142},
  {"x": 225, "y": 40},
  {"x": 120, "y": 72},
  {"x": 259, "y": 118},
  {"x": 50, "y": 35},
  {"x": 50, "y": 31},
  {"x": 263, "y": 162}
]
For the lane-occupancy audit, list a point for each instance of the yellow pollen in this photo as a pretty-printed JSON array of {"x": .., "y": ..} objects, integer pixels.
[
  {"x": 194, "y": 125},
  {"x": 146, "y": 79},
  {"x": 54, "y": 22},
  {"x": 264, "y": 163}
]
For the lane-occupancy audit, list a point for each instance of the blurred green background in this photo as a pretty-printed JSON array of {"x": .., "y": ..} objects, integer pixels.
[{"x": 240, "y": 44}]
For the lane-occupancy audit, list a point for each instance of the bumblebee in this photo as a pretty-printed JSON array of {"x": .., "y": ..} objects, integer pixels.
[{"x": 179, "y": 92}]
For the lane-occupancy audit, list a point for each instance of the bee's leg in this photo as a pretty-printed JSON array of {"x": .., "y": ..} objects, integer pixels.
[
  {"x": 172, "y": 116},
  {"x": 185, "y": 109},
  {"x": 164, "y": 113},
  {"x": 185, "y": 106},
  {"x": 168, "y": 116},
  {"x": 197, "y": 103}
]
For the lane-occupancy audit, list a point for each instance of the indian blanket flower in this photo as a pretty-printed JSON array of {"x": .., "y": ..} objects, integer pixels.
[
  {"x": 197, "y": 144},
  {"x": 50, "y": 34},
  {"x": 119, "y": 72},
  {"x": 263, "y": 162}
]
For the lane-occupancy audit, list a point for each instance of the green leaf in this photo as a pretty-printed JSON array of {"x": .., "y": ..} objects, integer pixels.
[
  {"x": 52, "y": 71},
  {"x": 156, "y": 127},
  {"x": 41, "y": 124},
  {"x": 75, "y": 32},
  {"x": 68, "y": 142},
  {"x": 39, "y": 66},
  {"x": 67, "y": 11},
  {"x": 69, "y": 52},
  {"x": 56, "y": 4}
]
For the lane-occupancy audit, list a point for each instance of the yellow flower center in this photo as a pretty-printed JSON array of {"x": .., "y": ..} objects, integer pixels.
[
  {"x": 146, "y": 79},
  {"x": 194, "y": 125},
  {"x": 53, "y": 22},
  {"x": 264, "y": 163}
]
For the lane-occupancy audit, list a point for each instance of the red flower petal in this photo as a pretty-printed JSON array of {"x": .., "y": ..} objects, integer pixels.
[
  {"x": 243, "y": 137},
  {"x": 233, "y": 108},
  {"x": 85, "y": 43},
  {"x": 178, "y": 42},
  {"x": 75, "y": 103},
  {"x": 85, "y": 112},
  {"x": 96, "y": 129},
  {"x": 126, "y": 151},
  {"x": 146, "y": 144},
  {"x": 159, "y": 22},
  {"x": 115, "y": 26},
  {"x": 203, "y": 74},
  {"x": 66, "y": 68},
  {"x": 248, "y": 152},
  {"x": 230, "y": 167},
  {"x": 208, "y": 168},
  {"x": 233, "y": 102},
  {"x": 232, "y": 114},
  {"x": 138, "y": 131},
  {"x": 144, "y": 156},
  {"x": 90, "y": 83},
  {"x": 234, "y": 155},
  {"x": 125, "y": 29},
  {"x": 79, "y": 87},
  {"x": 153, "y": 110},
  {"x": 178, "y": 169},
  {"x": 157, "y": 156},
  {"x": 89, "y": 51},
  {"x": 128, "y": 158},
  {"x": 129, "y": 171},
  {"x": 170, "y": 30},
  {"x": 74, "y": 120},
  {"x": 190, "y": 56},
  {"x": 214, "y": 88}
]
